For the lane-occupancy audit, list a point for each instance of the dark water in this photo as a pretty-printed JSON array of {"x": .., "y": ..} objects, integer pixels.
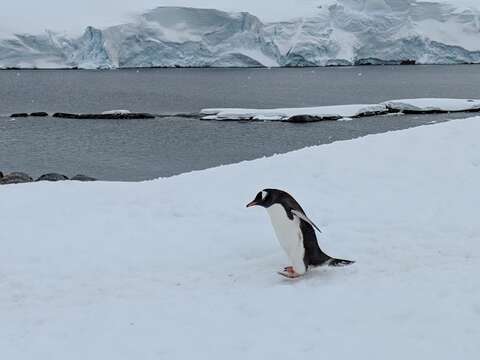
[{"x": 145, "y": 149}]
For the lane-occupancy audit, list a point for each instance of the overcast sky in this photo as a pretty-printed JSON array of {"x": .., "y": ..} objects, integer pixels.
[{"x": 72, "y": 16}]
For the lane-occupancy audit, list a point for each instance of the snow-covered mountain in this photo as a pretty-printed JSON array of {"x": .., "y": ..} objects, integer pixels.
[{"x": 341, "y": 32}]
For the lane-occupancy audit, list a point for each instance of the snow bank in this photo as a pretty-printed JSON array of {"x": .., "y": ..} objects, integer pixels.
[
  {"x": 433, "y": 105},
  {"x": 116, "y": 112},
  {"x": 338, "y": 112},
  {"x": 320, "y": 112},
  {"x": 178, "y": 268}
]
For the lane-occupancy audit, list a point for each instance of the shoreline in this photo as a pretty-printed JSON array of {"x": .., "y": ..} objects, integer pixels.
[{"x": 393, "y": 63}]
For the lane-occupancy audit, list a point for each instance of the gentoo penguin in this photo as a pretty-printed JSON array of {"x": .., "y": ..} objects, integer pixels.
[{"x": 295, "y": 232}]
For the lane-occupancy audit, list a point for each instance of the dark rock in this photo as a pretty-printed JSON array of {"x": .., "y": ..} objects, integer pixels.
[
  {"x": 422, "y": 112},
  {"x": 376, "y": 61},
  {"x": 408, "y": 62},
  {"x": 39, "y": 114},
  {"x": 182, "y": 115},
  {"x": 52, "y": 177},
  {"x": 393, "y": 109},
  {"x": 65, "y": 115},
  {"x": 19, "y": 115},
  {"x": 21, "y": 174},
  {"x": 373, "y": 113},
  {"x": 1, "y": 174},
  {"x": 118, "y": 116},
  {"x": 338, "y": 62},
  {"x": 80, "y": 177},
  {"x": 311, "y": 118},
  {"x": 15, "y": 178},
  {"x": 473, "y": 109},
  {"x": 430, "y": 111}
]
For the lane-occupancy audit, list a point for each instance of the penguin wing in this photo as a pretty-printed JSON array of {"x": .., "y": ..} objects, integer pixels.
[{"x": 304, "y": 217}]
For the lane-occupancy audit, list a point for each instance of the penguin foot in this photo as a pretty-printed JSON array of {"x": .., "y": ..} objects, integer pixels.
[{"x": 289, "y": 272}]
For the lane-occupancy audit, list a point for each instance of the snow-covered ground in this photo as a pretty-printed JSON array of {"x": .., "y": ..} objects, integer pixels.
[
  {"x": 178, "y": 268},
  {"x": 419, "y": 105}
]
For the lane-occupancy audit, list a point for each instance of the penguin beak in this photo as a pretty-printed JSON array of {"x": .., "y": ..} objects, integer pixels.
[{"x": 253, "y": 203}]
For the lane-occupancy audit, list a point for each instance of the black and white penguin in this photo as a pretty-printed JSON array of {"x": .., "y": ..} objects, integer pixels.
[{"x": 295, "y": 232}]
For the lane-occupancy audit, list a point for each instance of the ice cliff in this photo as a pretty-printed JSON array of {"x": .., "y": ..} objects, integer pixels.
[{"x": 341, "y": 32}]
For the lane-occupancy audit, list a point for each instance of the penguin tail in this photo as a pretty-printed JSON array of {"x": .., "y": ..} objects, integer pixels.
[{"x": 340, "y": 262}]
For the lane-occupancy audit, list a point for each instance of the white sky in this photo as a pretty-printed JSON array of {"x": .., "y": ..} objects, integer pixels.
[{"x": 72, "y": 16}]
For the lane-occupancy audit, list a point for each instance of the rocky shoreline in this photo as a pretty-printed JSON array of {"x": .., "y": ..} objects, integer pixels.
[
  {"x": 344, "y": 112},
  {"x": 112, "y": 115},
  {"x": 22, "y": 178}
]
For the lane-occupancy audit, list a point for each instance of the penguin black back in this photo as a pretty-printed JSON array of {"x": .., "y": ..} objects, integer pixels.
[{"x": 314, "y": 256}]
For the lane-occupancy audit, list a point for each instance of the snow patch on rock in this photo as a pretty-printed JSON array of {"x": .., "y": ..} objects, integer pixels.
[
  {"x": 116, "y": 112},
  {"x": 344, "y": 112},
  {"x": 284, "y": 114},
  {"x": 433, "y": 105}
]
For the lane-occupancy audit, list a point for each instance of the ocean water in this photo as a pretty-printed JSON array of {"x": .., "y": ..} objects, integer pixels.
[{"x": 131, "y": 150}]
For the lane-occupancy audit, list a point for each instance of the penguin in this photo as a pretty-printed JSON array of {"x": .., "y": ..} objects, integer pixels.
[{"x": 295, "y": 232}]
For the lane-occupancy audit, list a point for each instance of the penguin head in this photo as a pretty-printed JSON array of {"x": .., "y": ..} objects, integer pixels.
[{"x": 264, "y": 198}]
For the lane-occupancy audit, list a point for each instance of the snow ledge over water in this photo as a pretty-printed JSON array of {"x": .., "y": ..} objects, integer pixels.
[{"x": 342, "y": 112}]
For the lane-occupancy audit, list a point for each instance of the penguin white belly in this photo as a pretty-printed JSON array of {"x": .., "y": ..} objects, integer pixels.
[{"x": 289, "y": 235}]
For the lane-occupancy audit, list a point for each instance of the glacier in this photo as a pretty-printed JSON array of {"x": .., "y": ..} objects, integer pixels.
[{"x": 339, "y": 32}]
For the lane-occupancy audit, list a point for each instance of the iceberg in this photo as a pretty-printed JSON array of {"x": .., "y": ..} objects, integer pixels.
[{"x": 341, "y": 32}]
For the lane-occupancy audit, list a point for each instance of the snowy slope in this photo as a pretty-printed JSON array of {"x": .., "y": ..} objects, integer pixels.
[
  {"x": 341, "y": 32},
  {"x": 178, "y": 268}
]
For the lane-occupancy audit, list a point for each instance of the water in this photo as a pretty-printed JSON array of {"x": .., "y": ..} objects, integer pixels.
[{"x": 146, "y": 149}]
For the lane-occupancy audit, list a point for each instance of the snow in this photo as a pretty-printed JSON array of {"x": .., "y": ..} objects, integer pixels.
[
  {"x": 260, "y": 57},
  {"x": 345, "y": 112},
  {"x": 341, "y": 111},
  {"x": 115, "y": 112},
  {"x": 178, "y": 268},
  {"x": 434, "y": 104},
  {"x": 451, "y": 32},
  {"x": 342, "y": 32}
]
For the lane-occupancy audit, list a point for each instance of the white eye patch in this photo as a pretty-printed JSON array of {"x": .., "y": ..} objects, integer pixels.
[{"x": 264, "y": 195}]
